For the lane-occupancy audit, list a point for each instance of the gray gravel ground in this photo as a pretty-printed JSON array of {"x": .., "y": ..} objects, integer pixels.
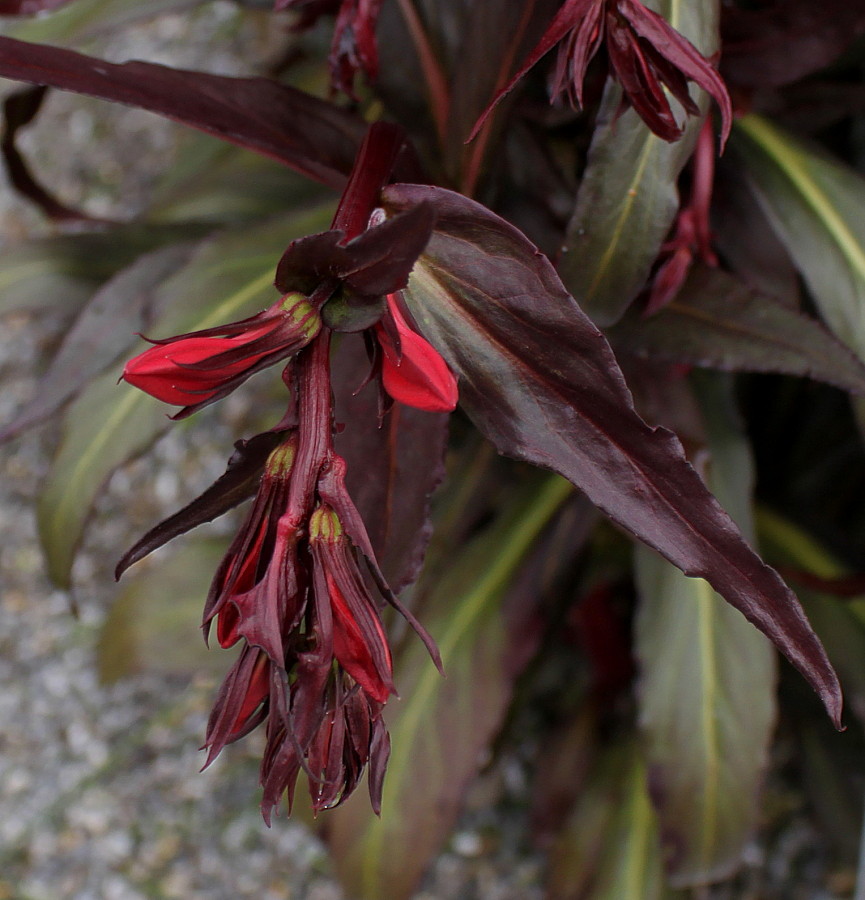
[{"x": 100, "y": 793}]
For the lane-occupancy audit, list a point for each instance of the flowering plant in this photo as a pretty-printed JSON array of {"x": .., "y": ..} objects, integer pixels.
[{"x": 511, "y": 249}]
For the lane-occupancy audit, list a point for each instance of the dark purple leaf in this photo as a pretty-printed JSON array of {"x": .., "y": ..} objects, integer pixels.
[
  {"x": 376, "y": 262},
  {"x": 541, "y": 382},
  {"x": 316, "y": 138},
  {"x": 28, "y": 7},
  {"x": 392, "y": 470},
  {"x": 745, "y": 239},
  {"x": 19, "y": 110},
  {"x": 719, "y": 323},
  {"x": 785, "y": 40},
  {"x": 105, "y": 329},
  {"x": 238, "y": 483}
]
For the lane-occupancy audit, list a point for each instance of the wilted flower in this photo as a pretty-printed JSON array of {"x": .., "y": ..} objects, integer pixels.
[
  {"x": 646, "y": 55},
  {"x": 412, "y": 370},
  {"x": 315, "y": 662},
  {"x": 194, "y": 369},
  {"x": 353, "y": 47},
  {"x": 692, "y": 236}
]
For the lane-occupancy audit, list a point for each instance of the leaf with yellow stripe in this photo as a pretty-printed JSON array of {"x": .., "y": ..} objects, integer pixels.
[
  {"x": 707, "y": 686},
  {"x": 817, "y": 206},
  {"x": 442, "y": 727},
  {"x": 609, "y": 849},
  {"x": 108, "y": 424},
  {"x": 628, "y": 197}
]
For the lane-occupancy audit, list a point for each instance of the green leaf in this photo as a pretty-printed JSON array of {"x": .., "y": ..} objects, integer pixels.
[
  {"x": 610, "y": 847},
  {"x": 839, "y": 622},
  {"x": 817, "y": 206},
  {"x": 105, "y": 329},
  {"x": 152, "y": 624},
  {"x": 441, "y": 727},
  {"x": 216, "y": 182},
  {"x": 63, "y": 272},
  {"x": 707, "y": 687},
  {"x": 85, "y": 20},
  {"x": 229, "y": 278},
  {"x": 716, "y": 321},
  {"x": 628, "y": 198}
]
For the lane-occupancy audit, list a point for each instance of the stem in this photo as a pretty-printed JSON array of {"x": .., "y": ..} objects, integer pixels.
[
  {"x": 315, "y": 433},
  {"x": 370, "y": 173},
  {"x": 436, "y": 83}
]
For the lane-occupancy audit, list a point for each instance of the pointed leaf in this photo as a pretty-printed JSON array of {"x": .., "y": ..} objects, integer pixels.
[
  {"x": 772, "y": 44},
  {"x": 718, "y": 322},
  {"x": 817, "y": 206},
  {"x": 228, "y": 278},
  {"x": 86, "y": 20},
  {"x": 840, "y": 622},
  {"x": 610, "y": 849},
  {"x": 442, "y": 726},
  {"x": 707, "y": 686},
  {"x": 28, "y": 7},
  {"x": 151, "y": 624},
  {"x": 62, "y": 272},
  {"x": 376, "y": 262},
  {"x": 393, "y": 468},
  {"x": 541, "y": 382},
  {"x": 107, "y": 325},
  {"x": 238, "y": 483},
  {"x": 628, "y": 197},
  {"x": 316, "y": 138}
]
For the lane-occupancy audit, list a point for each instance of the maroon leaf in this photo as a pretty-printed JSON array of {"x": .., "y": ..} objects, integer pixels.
[
  {"x": 236, "y": 484},
  {"x": 780, "y": 42},
  {"x": 28, "y": 7},
  {"x": 376, "y": 262},
  {"x": 718, "y": 322},
  {"x": 316, "y": 138},
  {"x": 19, "y": 110},
  {"x": 542, "y": 383},
  {"x": 393, "y": 469},
  {"x": 115, "y": 312}
]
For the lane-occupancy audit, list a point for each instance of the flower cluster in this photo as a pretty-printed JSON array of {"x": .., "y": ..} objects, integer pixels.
[
  {"x": 300, "y": 588},
  {"x": 645, "y": 53}
]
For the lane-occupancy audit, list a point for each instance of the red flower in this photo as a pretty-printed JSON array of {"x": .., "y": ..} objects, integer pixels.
[
  {"x": 315, "y": 663},
  {"x": 412, "y": 371},
  {"x": 194, "y": 369},
  {"x": 646, "y": 55}
]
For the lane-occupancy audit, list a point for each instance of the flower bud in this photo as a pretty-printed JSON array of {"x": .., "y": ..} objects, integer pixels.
[{"x": 194, "y": 369}]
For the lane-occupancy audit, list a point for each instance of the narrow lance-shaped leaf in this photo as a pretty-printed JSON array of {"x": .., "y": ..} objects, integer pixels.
[
  {"x": 111, "y": 423},
  {"x": 718, "y": 322},
  {"x": 707, "y": 684},
  {"x": 28, "y": 7},
  {"x": 310, "y": 135},
  {"x": 609, "y": 848},
  {"x": 442, "y": 726},
  {"x": 815, "y": 204},
  {"x": 238, "y": 483},
  {"x": 106, "y": 327},
  {"x": 629, "y": 197},
  {"x": 62, "y": 272},
  {"x": 541, "y": 382}
]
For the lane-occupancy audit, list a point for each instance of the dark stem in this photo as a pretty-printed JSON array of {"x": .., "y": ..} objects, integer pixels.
[{"x": 315, "y": 426}]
